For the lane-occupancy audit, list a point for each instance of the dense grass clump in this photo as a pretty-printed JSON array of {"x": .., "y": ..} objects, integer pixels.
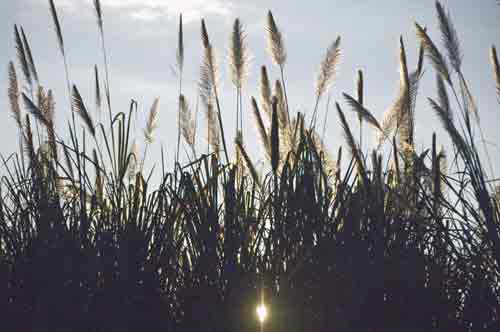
[{"x": 391, "y": 239}]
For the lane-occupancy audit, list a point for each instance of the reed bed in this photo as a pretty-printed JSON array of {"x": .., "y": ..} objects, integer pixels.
[{"x": 388, "y": 238}]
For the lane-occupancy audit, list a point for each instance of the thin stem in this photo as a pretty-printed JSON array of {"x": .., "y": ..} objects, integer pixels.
[
  {"x": 219, "y": 117},
  {"x": 179, "y": 119},
  {"x": 326, "y": 117},
  {"x": 360, "y": 133},
  {"x": 144, "y": 156},
  {"x": 312, "y": 124},
  {"x": 237, "y": 111},
  {"x": 284, "y": 92}
]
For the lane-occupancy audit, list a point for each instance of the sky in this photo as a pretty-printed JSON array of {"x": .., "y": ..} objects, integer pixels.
[{"x": 141, "y": 38}]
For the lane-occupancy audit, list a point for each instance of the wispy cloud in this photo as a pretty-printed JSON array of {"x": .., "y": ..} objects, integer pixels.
[
  {"x": 149, "y": 10},
  {"x": 155, "y": 9}
]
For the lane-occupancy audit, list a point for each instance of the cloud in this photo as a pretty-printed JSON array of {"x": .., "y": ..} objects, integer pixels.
[
  {"x": 155, "y": 9},
  {"x": 150, "y": 10}
]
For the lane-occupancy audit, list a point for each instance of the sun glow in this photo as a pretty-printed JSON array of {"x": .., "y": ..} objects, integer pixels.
[{"x": 262, "y": 312}]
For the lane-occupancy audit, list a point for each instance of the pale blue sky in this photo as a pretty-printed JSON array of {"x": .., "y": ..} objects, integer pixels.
[{"x": 141, "y": 39}]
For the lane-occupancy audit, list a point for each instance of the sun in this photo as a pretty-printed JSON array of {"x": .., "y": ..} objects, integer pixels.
[{"x": 261, "y": 312}]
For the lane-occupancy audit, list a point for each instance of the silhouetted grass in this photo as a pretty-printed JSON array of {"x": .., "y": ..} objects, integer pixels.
[{"x": 409, "y": 241}]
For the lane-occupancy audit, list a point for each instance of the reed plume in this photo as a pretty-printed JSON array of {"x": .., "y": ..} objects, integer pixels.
[
  {"x": 351, "y": 144},
  {"x": 248, "y": 161},
  {"x": 22, "y": 58},
  {"x": 452, "y": 45},
  {"x": 496, "y": 67},
  {"x": 80, "y": 108},
  {"x": 28, "y": 138},
  {"x": 328, "y": 68},
  {"x": 360, "y": 88},
  {"x": 238, "y": 55},
  {"x": 469, "y": 104},
  {"x": 275, "y": 43},
  {"x": 403, "y": 71},
  {"x": 213, "y": 137},
  {"x": 152, "y": 122},
  {"x": 187, "y": 123},
  {"x": 399, "y": 115},
  {"x": 238, "y": 63},
  {"x": 98, "y": 98},
  {"x": 265, "y": 92},
  {"x": 29, "y": 57},
  {"x": 34, "y": 110},
  {"x": 261, "y": 128},
  {"x": 405, "y": 124},
  {"x": 13, "y": 94},
  {"x": 151, "y": 125},
  {"x": 47, "y": 108},
  {"x": 208, "y": 84},
  {"x": 15, "y": 109},
  {"x": 41, "y": 100},
  {"x": 100, "y": 25},
  {"x": 180, "y": 46},
  {"x": 362, "y": 112},
  {"x": 98, "y": 11},
  {"x": 276, "y": 48},
  {"x": 326, "y": 75},
  {"x": 449, "y": 37},
  {"x": 57, "y": 26},
  {"x": 389, "y": 121},
  {"x": 180, "y": 69},
  {"x": 432, "y": 52}
]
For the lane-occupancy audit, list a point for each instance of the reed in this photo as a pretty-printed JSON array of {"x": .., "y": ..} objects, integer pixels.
[{"x": 392, "y": 237}]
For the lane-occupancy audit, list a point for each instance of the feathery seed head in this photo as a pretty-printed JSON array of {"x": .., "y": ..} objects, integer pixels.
[
  {"x": 79, "y": 107},
  {"x": 436, "y": 58},
  {"x": 57, "y": 26},
  {"x": 261, "y": 128},
  {"x": 449, "y": 37},
  {"x": 204, "y": 34},
  {"x": 13, "y": 94},
  {"x": 328, "y": 68},
  {"x": 98, "y": 11},
  {"x": 98, "y": 98},
  {"x": 180, "y": 46},
  {"x": 238, "y": 55},
  {"x": 265, "y": 91},
  {"x": 359, "y": 87},
  {"x": 152, "y": 121},
  {"x": 213, "y": 134},
  {"x": 22, "y": 57},
  {"x": 362, "y": 112},
  {"x": 187, "y": 122},
  {"x": 275, "y": 43},
  {"x": 29, "y": 57},
  {"x": 496, "y": 67}
]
